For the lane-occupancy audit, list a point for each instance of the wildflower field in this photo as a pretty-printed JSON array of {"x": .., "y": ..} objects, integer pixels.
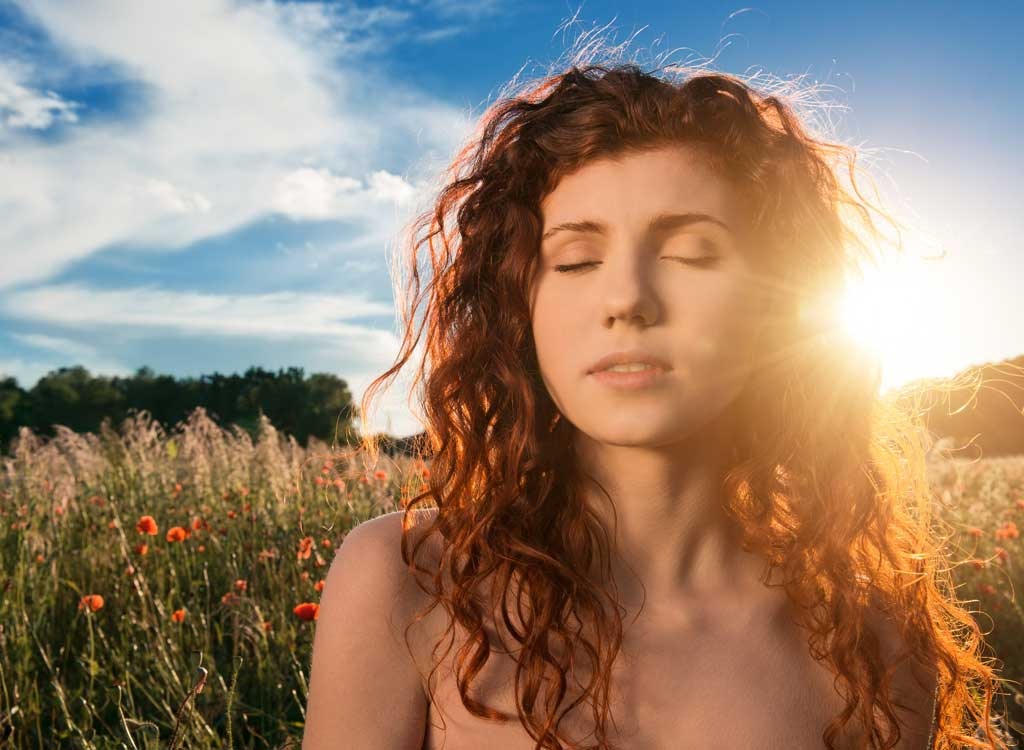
[{"x": 160, "y": 589}]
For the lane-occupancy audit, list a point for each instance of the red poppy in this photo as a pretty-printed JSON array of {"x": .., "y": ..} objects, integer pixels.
[
  {"x": 305, "y": 548},
  {"x": 229, "y": 598},
  {"x": 178, "y": 615},
  {"x": 319, "y": 585},
  {"x": 307, "y": 611},
  {"x": 976, "y": 532},
  {"x": 241, "y": 584},
  {"x": 380, "y": 474},
  {"x": 92, "y": 601},
  {"x": 177, "y": 534},
  {"x": 231, "y": 514},
  {"x": 141, "y": 549},
  {"x": 267, "y": 625},
  {"x": 147, "y": 525}
]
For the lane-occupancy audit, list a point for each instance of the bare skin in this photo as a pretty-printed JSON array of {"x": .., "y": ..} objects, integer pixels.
[{"x": 714, "y": 673}]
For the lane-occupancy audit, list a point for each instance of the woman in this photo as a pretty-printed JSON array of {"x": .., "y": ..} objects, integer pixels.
[{"x": 731, "y": 547}]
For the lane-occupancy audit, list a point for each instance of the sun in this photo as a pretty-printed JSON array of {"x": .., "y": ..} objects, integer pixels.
[{"x": 890, "y": 313}]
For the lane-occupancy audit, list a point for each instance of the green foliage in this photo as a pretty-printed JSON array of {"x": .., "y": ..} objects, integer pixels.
[
  {"x": 319, "y": 406},
  {"x": 262, "y": 519}
]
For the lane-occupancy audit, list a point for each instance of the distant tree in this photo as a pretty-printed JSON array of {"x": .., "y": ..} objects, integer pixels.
[
  {"x": 13, "y": 409},
  {"x": 72, "y": 397}
]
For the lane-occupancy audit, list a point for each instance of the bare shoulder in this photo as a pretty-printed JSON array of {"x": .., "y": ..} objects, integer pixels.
[
  {"x": 913, "y": 686},
  {"x": 355, "y": 667},
  {"x": 382, "y": 538}
]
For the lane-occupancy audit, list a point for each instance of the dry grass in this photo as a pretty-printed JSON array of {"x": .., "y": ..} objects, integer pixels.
[{"x": 197, "y": 643}]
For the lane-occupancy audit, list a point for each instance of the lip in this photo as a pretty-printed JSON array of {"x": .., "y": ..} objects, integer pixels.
[
  {"x": 626, "y": 357},
  {"x": 631, "y": 380}
]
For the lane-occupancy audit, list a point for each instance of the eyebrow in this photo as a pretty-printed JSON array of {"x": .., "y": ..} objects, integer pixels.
[{"x": 661, "y": 223}]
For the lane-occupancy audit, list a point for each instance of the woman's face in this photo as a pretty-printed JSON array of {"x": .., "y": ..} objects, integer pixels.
[{"x": 646, "y": 288}]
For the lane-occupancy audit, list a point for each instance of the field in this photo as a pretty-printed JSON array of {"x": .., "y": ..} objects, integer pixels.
[{"x": 160, "y": 590}]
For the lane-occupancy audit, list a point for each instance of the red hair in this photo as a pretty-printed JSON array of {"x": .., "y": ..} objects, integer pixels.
[{"x": 827, "y": 478}]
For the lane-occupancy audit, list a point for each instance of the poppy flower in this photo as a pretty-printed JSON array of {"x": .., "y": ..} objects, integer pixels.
[
  {"x": 177, "y": 534},
  {"x": 987, "y": 588},
  {"x": 141, "y": 549},
  {"x": 178, "y": 615},
  {"x": 92, "y": 601},
  {"x": 380, "y": 475},
  {"x": 305, "y": 548},
  {"x": 319, "y": 585},
  {"x": 229, "y": 598},
  {"x": 307, "y": 611},
  {"x": 326, "y": 543},
  {"x": 241, "y": 584},
  {"x": 976, "y": 532},
  {"x": 267, "y": 625},
  {"x": 231, "y": 514},
  {"x": 201, "y": 548},
  {"x": 1002, "y": 554},
  {"x": 147, "y": 525},
  {"x": 1008, "y": 530}
]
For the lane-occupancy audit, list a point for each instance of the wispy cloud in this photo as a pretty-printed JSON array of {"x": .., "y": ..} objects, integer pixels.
[
  {"x": 250, "y": 109},
  {"x": 277, "y": 315},
  {"x": 24, "y": 107},
  {"x": 54, "y": 352}
]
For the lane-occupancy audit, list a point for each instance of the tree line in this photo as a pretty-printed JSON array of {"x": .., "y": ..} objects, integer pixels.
[
  {"x": 319, "y": 405},
  {"x": 985, "y": 410}
]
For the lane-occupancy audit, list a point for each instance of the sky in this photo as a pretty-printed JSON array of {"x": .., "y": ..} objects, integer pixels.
[{"x": 209, "y": 186}]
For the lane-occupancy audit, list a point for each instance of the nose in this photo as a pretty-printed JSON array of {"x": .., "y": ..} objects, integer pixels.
[{"x": 629, "y": 294}]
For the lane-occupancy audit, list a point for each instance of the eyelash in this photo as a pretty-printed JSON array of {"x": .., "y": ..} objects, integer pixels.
[{"x": 701, "y": 262}]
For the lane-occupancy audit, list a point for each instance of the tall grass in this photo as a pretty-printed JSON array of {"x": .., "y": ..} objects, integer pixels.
[{"x": 202, "y": 642}]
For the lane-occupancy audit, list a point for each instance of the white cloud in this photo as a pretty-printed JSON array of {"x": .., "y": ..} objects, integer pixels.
[
  {"x": 67, "y": 347},
  {"x": 277, "y": 315},
  {"x": 24, "y": 107},
  {"x": 251, "y": 108}
]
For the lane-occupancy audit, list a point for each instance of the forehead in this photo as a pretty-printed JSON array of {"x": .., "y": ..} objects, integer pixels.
[{"x": 633, "y": 186}]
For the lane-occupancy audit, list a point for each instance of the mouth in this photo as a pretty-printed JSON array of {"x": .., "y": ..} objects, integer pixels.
[{"x": 646, "y": 378}]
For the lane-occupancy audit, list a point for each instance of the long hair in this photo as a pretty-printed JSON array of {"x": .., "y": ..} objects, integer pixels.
[{"x": 826, "y": 477}]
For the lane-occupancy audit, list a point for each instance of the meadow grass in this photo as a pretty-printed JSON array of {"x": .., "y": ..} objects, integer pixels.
[{"x": 160, "y": 589}]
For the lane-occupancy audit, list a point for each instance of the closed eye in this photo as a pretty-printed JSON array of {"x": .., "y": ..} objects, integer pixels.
[{"x": 699, "y": 262}]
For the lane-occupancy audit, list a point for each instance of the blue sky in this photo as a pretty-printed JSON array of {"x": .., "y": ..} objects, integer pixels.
[{"x": 204, "y": 186}]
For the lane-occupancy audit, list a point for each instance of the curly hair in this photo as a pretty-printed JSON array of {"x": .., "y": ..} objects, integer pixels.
[{"x": 826, "y": 477}]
